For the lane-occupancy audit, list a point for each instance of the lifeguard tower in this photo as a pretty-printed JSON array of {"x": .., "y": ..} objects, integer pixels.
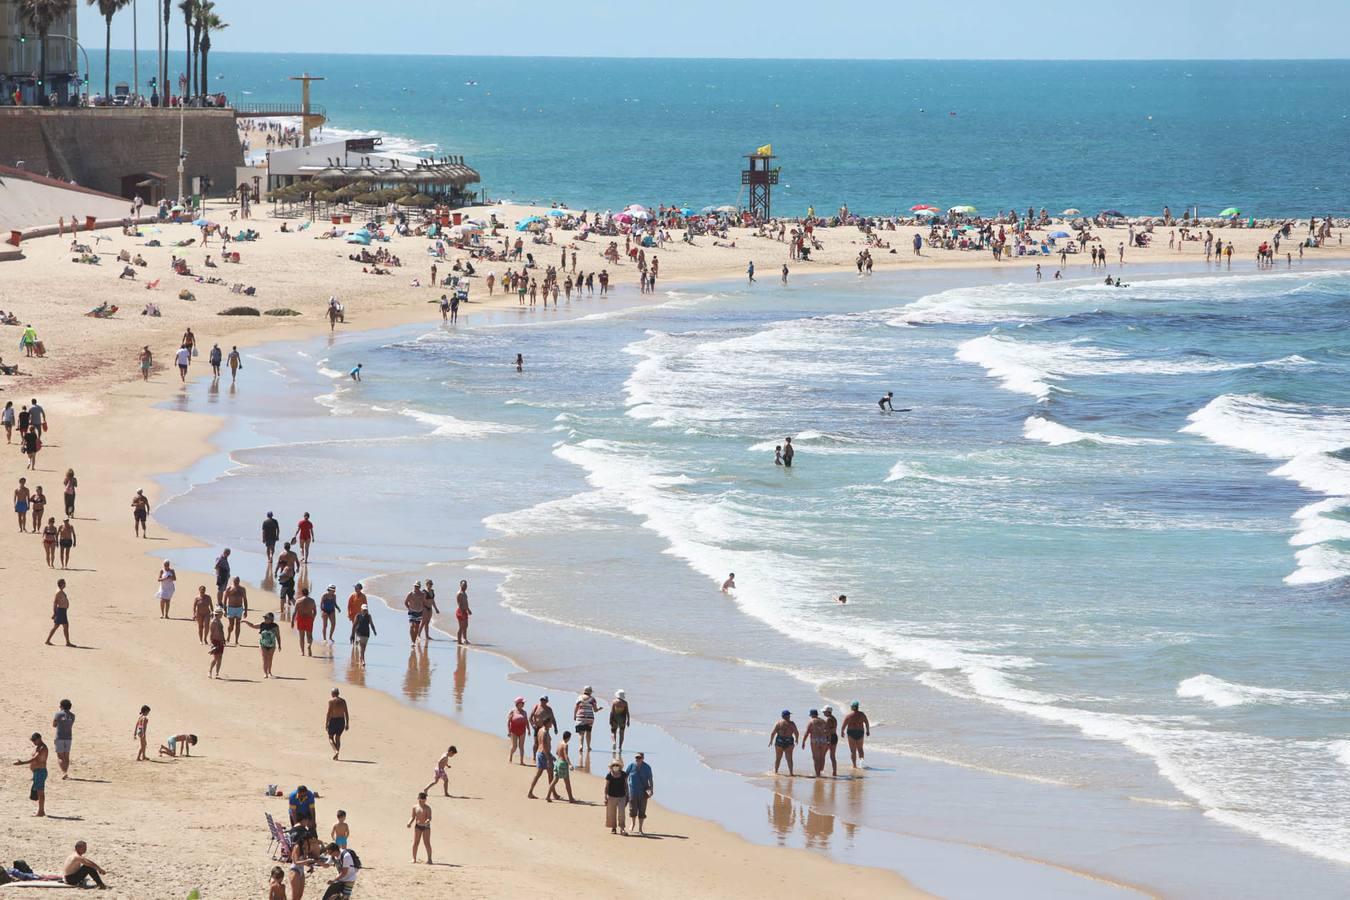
[{"x": 760, "y": 177}]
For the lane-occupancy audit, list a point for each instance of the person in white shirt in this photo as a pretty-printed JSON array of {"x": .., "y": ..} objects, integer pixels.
[
  {"x": 342, "y": 885},
  {"x": 182, "y": 358}
]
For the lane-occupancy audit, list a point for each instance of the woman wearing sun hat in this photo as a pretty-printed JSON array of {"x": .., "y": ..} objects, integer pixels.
[
  {"x": 616, "y": 797},
  {"x": 619, "y": 720}
]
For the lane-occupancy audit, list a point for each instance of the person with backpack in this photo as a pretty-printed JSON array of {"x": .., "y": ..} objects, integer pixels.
[{"x": 348, "y": 864}]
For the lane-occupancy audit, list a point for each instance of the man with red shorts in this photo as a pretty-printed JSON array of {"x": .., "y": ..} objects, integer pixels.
[{"x": 305, "y": 609}]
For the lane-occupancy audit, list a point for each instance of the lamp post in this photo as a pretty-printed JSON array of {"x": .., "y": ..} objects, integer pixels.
[
  {"x": 135, "y": 56},
  {"x": 182, "y": 152}
]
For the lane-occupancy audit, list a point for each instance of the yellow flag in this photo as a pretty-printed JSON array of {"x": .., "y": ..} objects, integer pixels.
[{"x": 766, "y": 150}]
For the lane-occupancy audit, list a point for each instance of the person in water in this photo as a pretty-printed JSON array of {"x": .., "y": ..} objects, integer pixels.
[
  {"x": 856, "y": 727},
  {"x": 885, "y": 402},
  {"x": 783, "y": 737},
  {"x": 788, "y": 452}
]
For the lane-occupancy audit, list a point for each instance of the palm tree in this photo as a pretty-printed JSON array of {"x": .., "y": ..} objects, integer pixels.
[
  {"x": 41, "y": 15},
  {"x": 210, "y": 22},
  {"x": 108, "y": 9},
  {"x": 189, "y": 10}
]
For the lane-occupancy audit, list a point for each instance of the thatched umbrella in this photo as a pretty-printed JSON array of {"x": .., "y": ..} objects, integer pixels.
[
  {"x": 421, "y": 201},
  {"x": 371, "y": 198}
]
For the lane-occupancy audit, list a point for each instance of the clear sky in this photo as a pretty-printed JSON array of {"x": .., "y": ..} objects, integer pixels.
[{"x": 871, "y": 29}]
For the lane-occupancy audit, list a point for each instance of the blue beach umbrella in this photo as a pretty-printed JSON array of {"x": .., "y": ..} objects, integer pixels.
[
  {"x": 686, "y": 211},
  {"x": 201, "y": 223},
  {"x": 557, "y": 213},
  {"x": 1060, "y": 234}
]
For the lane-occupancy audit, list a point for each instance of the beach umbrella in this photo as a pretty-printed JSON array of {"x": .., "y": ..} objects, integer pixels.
[
  {"x": 372, "y": 198},
  {"x": 1071, "y": 212},
  {"x": 556, "y": 213},
  {"x": 623, "y": 217},
  {"x": 708, "y": 209},
  {"x": 727, "y": 209},
  {"x": 964, "y": 210},
  {"x": 1060, "y": 234},
  {"x": 922, "y": 207},
  {"x": 926, "y": 212},
  {"x": 418, "y": 200},
  {"x": 1230, "y": 211},
  {"x": 1113, "y": 213},
  {"x": 685, "y": 211},
  {"x": 202, "y": 223}
]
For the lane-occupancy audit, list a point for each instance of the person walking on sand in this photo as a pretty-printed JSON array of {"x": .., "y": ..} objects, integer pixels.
[
  {"x": 65, "y": 540},
  {"x": 139, "y": 732},
  {"x": 167, "y": 580},
  {"x": 616, "y": 797},
  {"x": 37, "y": 505},
  {"x": 562, "y": 770},
  {"x": 619, "y": 720},
  {"x": 140, "y": 514},
  {"x": 356, "y": 601},
  {"x": 420, "y": 822},
  {"x": 235, "y": 362},
  {"x": 416, "y": 605},
  {"x": 856, "y": 727},
  {"x": 783, "y": 737},
  {"x": 70, "y": 483},
  {"x": 363, "y": 626},
  {"x": 214, "y": 358},
  {"x": 147, "y": 362},
  {"x": 517, "y": 724},
  {"x": 201, "y": 612},
  {"x": 80, "y": 868},
  {"x": 182, "y": 359},
  {"x": 269, "y": 640},
  {"x": 304, "y": 532},
  {"x": 303, "y": 620},
  {"x": 60, "y": 613},
  {"x": 236, "y": 607},
  {"x": 37, "y": 765},
  {"x": 641, "y": 786},
  {"x": 543, "y": 760},
  {"x": 271, "y": 533},
  {"x": 832, "y": 727},
  {"x": 429, "y": 593},
  {"x": 441, "y": 774},
  {"x": 21, "y": 497},
  {"x": 64, "y": 723},
  {"x": 7, "y": 420},
  {"x": 462, "y": 613},
  {"x": 542, "y": 716},
  {"x": 49, "y": 541},
  {"x": 819, "y": 739},
  {"x": 328, "y": 613},
  {"x": 341, "y": 832},
  {"x": 583, "y": 714},
  {"x": 338, "y": 720},
  {"x": 216, "y": 643}
]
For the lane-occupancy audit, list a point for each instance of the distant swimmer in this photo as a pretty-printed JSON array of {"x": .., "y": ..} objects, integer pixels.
[
  {"x": 520, "y": 362},
  {"x": 778, "y": 454},
  {"x": 356, "y": 372},
  {"x": 730, "y": 583},
  {"x": 843, "y": 598},
  {"x": 885, "y": 402}
]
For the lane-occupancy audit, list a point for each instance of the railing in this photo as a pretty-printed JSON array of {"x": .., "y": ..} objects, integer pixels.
[{"x": 278, "y": 109}]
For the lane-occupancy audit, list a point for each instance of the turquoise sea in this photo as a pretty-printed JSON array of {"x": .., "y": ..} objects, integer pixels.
[
  {"x": 1096, "y": 568},
  {"x": 880, "y": 136}
]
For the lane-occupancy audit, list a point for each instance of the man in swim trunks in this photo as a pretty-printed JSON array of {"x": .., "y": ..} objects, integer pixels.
[
  {"x": 339, "y": 720},
  {"x": 140, "y": 513},
  {"x": 416, "y": 605},
  {"x": 856, "y": 727},
  {"x": 236, "y": 608},
  {"x": 37, "y": 764},
  {"x": 783, "y": 737},
  {"x": 819, "y": 738},
  {"x": 619, "y": 719},
  {"x": 542, "y": 717},
  {"x": 788, "y": 452},
  {"x": 21, "y": 495},
  {"x": 305, "y": 608},
  {"x": 271, "y": 533},
  {"x": 441, "y": 774},
  {"x": 421, "y": 819},
  {"x": 543, "y": 759},
  {"x": 362, "y": 628},
  {"x": 462, "y": 613},
  {"x": 222, "y": 574},
  {"x": 60, "y": 613},
  {"x": 304, "y": 532}
]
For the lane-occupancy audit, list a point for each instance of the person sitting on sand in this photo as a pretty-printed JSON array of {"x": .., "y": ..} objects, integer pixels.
[
  {"x": 80, "y": 868},
  {"x": 175, "y": 742}
]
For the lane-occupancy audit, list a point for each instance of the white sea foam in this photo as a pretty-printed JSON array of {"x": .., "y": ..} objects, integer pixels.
[
  {"x": 449, "y": 426},
  {"x": 1048, "y": 431},
  {"x": 1304, "y": 436},
  {"x": 1225, "y": 694}
]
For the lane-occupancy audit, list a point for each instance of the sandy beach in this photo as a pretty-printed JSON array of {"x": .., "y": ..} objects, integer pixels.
[{"x": 164, "y": 827}]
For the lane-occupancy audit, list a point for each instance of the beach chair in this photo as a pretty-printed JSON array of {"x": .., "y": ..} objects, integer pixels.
[{"x": 280, "y": 845}]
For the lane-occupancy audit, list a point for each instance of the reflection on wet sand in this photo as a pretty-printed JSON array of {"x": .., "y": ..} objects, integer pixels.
[
  {"x": 356, "y": 674},
  {"x": 461, "y": 675},
  {"x": 417, "y": 680},
  {"x": 786, "y": 815}
]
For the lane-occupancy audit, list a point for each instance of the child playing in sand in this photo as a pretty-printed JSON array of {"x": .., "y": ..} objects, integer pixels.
[
  {"x": 341, "y": 830},
  {"x": 176, "y": 741},
  {"x": 142, "y": 723}
]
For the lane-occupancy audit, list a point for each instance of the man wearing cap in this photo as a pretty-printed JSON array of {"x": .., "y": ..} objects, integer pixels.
[
  {"x": 856, "y": 727},
  {"x": 542, "y": 716},
  {"x": 640, "y": 786},
  {"x": 583, "y": 713},
  {"x": 271, "y": 533},
  {"x": 363, "y": 626},
  {"x": 37, "y": 764},
  {"x": 783, "y": 738}
]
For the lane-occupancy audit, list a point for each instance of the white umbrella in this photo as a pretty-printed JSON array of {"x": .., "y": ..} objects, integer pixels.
[{"x": 726, "y": 209}]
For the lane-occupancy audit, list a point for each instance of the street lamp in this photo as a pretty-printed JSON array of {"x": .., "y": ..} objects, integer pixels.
[{"x": 23, "y": 39}]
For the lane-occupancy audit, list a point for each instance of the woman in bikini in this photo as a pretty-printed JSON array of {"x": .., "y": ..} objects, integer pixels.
[
  {"x": 37, "y": 505},
  {"x": 201, "y": 612},
  {"x": 142, "y": 723},
  {"x": 49, "y": 542}
]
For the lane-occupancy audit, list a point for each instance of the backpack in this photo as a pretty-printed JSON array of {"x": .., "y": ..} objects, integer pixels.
[{"x": 356, "y": 860}]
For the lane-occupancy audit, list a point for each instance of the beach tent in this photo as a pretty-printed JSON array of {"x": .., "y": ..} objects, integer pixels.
[
  {"x": 1113, "y": 214},
  {"x": 359, "y": 237},
  {"x": 524, "y": 224},
  {"x": 964, "y": 210}
]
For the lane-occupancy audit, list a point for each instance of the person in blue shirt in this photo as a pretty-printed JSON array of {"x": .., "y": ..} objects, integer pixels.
[
  {"x": 302, "y": 807},
  {"x": 640, "y": 787}
]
